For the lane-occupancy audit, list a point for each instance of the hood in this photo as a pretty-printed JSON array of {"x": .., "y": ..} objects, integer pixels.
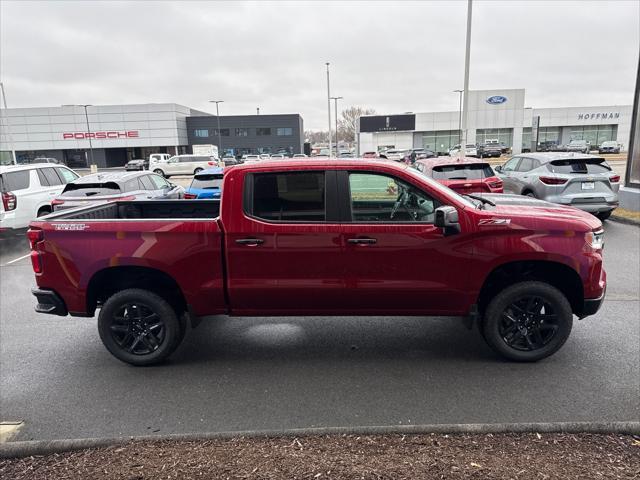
[{"x": 523, "y": 206}]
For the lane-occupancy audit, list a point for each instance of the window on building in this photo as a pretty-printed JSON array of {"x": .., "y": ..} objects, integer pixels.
[
  {"x": 503, "y": 135},
  {"x": 224, "y": 132},
  {"x": 295, "y": 196},
  {"x": 526, "y": 137},
  {"x": 263, "y": 131},
  {"x": 440, "y": 141},
  {"x": 204, "y": 133},
  {"x": 380, "y": 198},
  {"x": 594, "y": 134},
  {"x": 549, "y": 134},
  {"x": 284, "y": 131},
  {"x": 242, "y": 132}
]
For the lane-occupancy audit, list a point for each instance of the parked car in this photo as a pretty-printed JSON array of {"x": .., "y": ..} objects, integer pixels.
[
  {"x": 251, "y": 158},
  {"x": 422, "y": 153},
  {"x": 370, "y": 155},
  {"x": 156, "y": 158},
  {"x": 470, "y": 150},
  {"x": 489, "y": 150},
  {"x": 206, "y": 184},
  {"x": 44, "y": 160},
  {"x": 609, "y": 147},
  {"x": 345, "y": 155},
  {"x": 580, "y": 180},
  {"x": 229, "y": 161},
  {"x": 581, "y": 146},
  {"x": 278, "y": 156},
  {"x": 27, "y": 191},
  {"x": 300, "y": 155},
  {"x": 137, "y": 164},
  {"x": 184, "y": 165},
  {"x": 112, "y": 186},
  {"x": 467, "y": 176},
  {"x": 264, "y": 156},
  {"x": 278, "y": 245},
  {"x": 548, "y": 146},
  {"x": 395, "y": 155}
]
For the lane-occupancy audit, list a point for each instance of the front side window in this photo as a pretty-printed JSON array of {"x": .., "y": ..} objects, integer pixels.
[
  {"x": 147, "y": 183},
  {"x": 204, "y": 133},
  {"x": 381, "y": 198},
  {"x": 158, "y": 181},
  {"x": 510, "y": 166},
  {"x": 66, "y": 175},
  {"x": 132, "y": 185},
  {"x": 291, "y": 196},
  {"x": 242, "y": 132},
  {"x": 284, "y": 132}
]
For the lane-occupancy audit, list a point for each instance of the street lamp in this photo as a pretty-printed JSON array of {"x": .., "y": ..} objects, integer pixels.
[
  {"x": 335, "y": 99},
  {"x": 219, "y": 134},
  {"x": 86, "y": 116},
  {"x": 460, "y": 116},
  {"x": 329, "y": 107}
]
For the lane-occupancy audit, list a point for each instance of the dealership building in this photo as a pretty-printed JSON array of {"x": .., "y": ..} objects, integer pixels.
[
  {"x": 496, "y": 114},
  {"x": 111, "y": 135}
]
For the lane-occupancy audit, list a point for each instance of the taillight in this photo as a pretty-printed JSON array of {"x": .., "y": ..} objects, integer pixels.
[
  {"x": 614, "y": 179},
  {"x": 212, "y": 163},
  {"x": 36, "y": 261},
  {"x": 496, "y": 184},
  {"x": 56, "y": 202},
  {"x": 553, "y": 180},
  {"x": 9, "y": 201},
  {"x": 34, "y": 235},
  {"x": 190, "y": 195}
]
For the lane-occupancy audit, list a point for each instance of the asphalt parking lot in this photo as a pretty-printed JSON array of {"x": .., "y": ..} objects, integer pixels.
[{"x": 272, "y": 373}]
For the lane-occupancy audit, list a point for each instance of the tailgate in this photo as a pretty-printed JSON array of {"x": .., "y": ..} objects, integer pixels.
[{"x": 188, "y": 250}]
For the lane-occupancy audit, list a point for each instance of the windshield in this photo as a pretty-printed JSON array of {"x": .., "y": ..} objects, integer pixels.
[{"x": 474, "y": 171}]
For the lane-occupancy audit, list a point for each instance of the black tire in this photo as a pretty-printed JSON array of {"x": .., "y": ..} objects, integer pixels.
[
  {"x": 529, "y": 194},
  {"x": 139, "y": 327},
  {"x": 521, "y": 337},
  {"x": 197, "y": 171},
  {"x": 43, "y": 211},
  {"x": 157, "y": 171},
  {"x": 604, "y": 215}
]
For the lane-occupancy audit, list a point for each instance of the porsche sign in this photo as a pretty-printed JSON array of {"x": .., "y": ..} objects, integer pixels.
[{"x": 114, "y": 134}]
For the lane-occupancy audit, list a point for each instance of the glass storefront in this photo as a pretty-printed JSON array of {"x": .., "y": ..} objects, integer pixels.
[
  {"x": 440, "y": 141},
  {"x": 526, "y": 139},
  {"x": 503, "y": 135},
  {"x": 549, "y": 134},
  {"x": 594, "y": 134}
]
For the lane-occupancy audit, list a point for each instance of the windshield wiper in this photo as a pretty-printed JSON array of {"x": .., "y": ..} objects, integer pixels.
[{"x": 481, "y": 199}]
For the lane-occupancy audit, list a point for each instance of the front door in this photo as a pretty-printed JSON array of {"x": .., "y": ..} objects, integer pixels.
[
  {"x": 397, "y": 261},
  {"x": 283, "y": 245},
  {"x": 508, "y": 175}
]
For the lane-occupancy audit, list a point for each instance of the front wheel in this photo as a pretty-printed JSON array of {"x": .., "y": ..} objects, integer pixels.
[
  {"x": 528, "y": 321},
  {"x": 139, "y": 327}
]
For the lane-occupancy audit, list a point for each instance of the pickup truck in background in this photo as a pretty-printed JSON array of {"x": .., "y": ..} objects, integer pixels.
[{"x": 318, "y": 237}]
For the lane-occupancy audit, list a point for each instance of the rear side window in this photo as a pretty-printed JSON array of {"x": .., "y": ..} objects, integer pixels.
[
  {"x": 579, "y": 165},
  {"x": 51, "y": 177},
  {"x": 90, "y": 189},
  {"x": 463, "y": 172},
  {"x": 207, "y": 181},
  {"x": 12, "y": 181},
  {"x": 295, "y": 196}
]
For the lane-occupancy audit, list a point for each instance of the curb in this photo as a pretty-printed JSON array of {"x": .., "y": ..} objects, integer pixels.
[
  {"x": 46, "y": 447},
  {"x": 626, "y": 221}
]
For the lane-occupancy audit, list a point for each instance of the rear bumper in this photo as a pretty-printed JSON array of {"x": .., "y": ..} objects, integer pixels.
[{"x": 49, "y": 302}]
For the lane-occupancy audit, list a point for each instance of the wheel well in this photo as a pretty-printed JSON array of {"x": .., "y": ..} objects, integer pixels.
[
  {"x": 44, "y": 208},
  {"x": 560, "y": 276},
  {"x": 114, "y": 279}
]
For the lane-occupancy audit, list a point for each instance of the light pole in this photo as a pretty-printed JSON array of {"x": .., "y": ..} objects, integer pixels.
[
  {"x": 329, "y": 107},
  {"x": 335, "y": 99},
  {"x": 220, "y": 152},
  {"x": 257, "y": 110},
  {"x": 460, "y": 116},
  {"x": 467, "y": 55},
  {"x": 86, "y": 116}
]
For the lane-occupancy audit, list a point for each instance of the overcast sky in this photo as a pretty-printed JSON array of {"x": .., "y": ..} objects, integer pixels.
[{"x": 393, "y": 57}]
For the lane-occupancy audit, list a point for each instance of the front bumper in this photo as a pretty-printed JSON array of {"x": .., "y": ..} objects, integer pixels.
[
  {"x": 49, "y": 302},
  {"x": 592, "y": 305}
]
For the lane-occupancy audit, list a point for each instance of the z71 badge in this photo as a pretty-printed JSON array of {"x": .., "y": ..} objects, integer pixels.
[{"x": 494, "y": 221}]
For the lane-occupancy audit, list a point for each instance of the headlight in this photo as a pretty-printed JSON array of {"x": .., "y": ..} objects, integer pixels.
[{"x": 595, "y": 239}]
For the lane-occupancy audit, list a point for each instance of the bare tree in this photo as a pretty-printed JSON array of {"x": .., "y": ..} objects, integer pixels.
[
  {"x": 348, "y": 122},
  {"x": 313, "y": 137}
]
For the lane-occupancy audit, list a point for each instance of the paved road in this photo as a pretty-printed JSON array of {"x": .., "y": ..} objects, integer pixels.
[{"x": 257, "y": 373}]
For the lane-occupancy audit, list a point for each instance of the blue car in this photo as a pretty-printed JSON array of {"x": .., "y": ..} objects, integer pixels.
[{"x": 206, "y": 184}]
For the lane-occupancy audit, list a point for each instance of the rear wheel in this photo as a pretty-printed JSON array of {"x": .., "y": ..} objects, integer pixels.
[
  {"x": 604, "y": 215},
  {"x": 528, "y": 321},
  {"x": 44, "y": 211},
  {"x": 159, "y": 172},
  {"x": 529, "y": 194},
  {"x": 139, "y": 327}
]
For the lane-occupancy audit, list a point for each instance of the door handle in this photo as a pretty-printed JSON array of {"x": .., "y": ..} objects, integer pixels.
[
  {"x": 362, "y": 241},
  {"x": 250, "y": 241}
]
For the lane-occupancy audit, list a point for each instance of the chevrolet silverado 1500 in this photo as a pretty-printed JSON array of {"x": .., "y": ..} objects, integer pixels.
[{"x": 319, "y": 237}]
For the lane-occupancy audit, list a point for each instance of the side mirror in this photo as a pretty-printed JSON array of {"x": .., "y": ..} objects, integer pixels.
[
  {"x": 447, "y": 219},
  {"x": 498, "y": 168}
]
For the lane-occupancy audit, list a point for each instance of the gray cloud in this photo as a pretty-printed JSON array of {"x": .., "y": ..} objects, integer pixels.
[{"x": 390, "y": 56}]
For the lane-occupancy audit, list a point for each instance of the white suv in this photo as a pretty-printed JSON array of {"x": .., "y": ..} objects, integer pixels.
[
  {"x": 184, "y": 165},
  {"x": 27, "y": 191}
]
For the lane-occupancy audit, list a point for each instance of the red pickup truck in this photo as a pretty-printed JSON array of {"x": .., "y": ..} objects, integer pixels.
[{"x": 320, "y": 237}]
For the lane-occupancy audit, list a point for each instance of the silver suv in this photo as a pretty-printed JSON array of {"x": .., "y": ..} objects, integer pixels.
[{"x": 582, "y": 181}]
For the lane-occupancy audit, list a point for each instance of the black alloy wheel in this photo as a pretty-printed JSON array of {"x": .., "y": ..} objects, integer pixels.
[
  {"x": 528, "y": 324},
  {"x": 139, "y": 327},
  {"x": 527, "y": 321}
]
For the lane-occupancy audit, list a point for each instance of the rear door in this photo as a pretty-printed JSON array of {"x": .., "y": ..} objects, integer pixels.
[
  {"x": 283, "y": 244},
  {"x": 396, "y": 260}
]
